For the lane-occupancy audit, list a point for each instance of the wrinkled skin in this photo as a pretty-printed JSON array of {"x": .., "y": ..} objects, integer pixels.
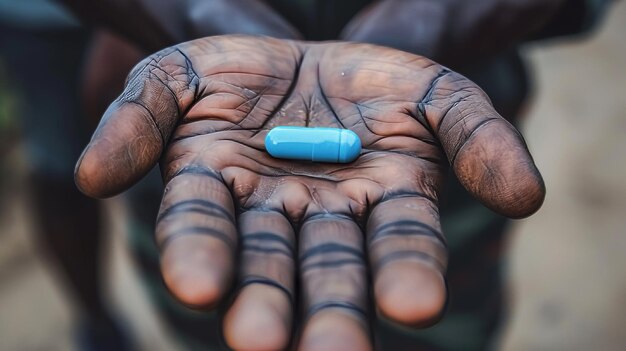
[
  {"x": 231, "y": 214},
  {"x": 453, "y": 32}
]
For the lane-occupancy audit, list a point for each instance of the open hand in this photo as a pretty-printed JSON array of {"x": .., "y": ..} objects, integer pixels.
[{"x": 302, "y": 242}]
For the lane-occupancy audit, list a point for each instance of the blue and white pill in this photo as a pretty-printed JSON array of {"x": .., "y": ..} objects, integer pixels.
[{"x": 313, "y": 144}]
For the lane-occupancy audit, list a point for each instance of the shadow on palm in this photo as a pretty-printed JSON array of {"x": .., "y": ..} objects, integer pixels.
[{"x": 203, "y": 109}]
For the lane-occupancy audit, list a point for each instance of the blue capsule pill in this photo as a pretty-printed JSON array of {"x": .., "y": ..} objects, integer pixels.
[{"x": 313, "y": 144}]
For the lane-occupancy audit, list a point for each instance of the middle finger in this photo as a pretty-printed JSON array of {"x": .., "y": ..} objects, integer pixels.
[
  {"x": 334, "y": 285},
  {"x": 261, "y": 315}
]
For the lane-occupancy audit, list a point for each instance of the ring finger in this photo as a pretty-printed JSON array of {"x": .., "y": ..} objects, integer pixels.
[
  {"x": 334, "y": 285},
  {"x": 261, "y": 315}
]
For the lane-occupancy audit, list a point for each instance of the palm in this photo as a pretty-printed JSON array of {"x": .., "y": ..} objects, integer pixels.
[
  {"x": 322, "y": 85},
  {"x": 212, "y": 101}
]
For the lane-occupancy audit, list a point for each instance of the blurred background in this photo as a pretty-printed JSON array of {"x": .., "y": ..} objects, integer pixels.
[{"x": 565, "y": 274}]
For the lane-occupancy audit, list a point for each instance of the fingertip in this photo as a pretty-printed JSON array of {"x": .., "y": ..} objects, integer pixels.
[
  {"x": 496, "y": 167},
  {"x": 195, "y": 290},
  {"x": 517, "y": 195},
  {"x": 525, "y": 199},
  {"x": 410, "y": 293},
  {"x": 259, "y": 320},
  {"x": 195, "y": 276},
  {"x": 87, "y": 177}
]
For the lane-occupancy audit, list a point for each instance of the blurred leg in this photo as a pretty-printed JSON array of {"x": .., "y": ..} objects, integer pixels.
[
  {"x": 69, "y": 227},
  {"x": 45, "y": 68}
]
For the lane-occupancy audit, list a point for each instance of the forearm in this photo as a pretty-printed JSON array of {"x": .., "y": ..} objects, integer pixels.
[
  {"x": 484, "y": 28},
  {"x": 574, "y": 17},
  {"x": 133, "y": 19},
  {"x": 453, "y": 32},
  {"x": 154, "y": 24}
]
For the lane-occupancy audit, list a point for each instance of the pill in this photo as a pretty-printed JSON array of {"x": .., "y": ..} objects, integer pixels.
[{"x": 313, "y": 144}]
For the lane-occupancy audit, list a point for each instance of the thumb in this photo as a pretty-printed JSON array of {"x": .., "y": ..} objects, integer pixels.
[
  {"x": 136, "y": 127},
  {"x": 488, "y": 155}
]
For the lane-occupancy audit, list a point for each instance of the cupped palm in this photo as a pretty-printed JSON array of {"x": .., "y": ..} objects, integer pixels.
[{"x": 232, "y": 214}]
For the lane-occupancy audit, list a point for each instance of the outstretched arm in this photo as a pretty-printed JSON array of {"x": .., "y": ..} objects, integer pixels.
[{"x": 451, "y": 31}]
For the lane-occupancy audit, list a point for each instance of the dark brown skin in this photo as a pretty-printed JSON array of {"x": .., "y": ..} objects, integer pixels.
[
  {"x": 453, "y": 32},
  {"x": 155, "y": 24},
  {"x": 231, "y": 214}
]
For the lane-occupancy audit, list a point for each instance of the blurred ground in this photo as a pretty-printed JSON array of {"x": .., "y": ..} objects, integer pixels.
[{"x": 567, "y": 282}]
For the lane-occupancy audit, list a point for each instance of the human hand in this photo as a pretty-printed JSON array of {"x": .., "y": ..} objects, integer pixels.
[
  {"x": 232, "y": 212},
  {"x": 155, "y": 24},
  {"x": 450, "y": 31}
]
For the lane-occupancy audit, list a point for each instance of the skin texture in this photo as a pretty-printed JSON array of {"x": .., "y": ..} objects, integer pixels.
[
  {"x": 231, "y": 214},
  {"x": 453, "y": 32}
]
